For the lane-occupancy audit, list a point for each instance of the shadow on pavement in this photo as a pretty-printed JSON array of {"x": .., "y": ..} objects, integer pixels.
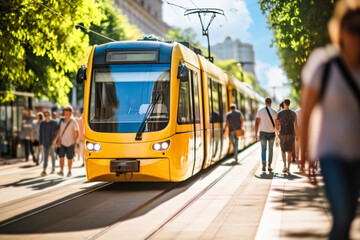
[
  {"x": 36, "y": 183},
  {"x": 305, "y": 234}
]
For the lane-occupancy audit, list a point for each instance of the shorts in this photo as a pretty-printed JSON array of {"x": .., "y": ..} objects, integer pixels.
[
  {"x": 68, "y": 151},
  {"x": 287, "y": 143}
]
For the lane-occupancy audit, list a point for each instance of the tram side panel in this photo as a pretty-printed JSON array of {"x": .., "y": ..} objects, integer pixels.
[{"x": 187, "y": 154}]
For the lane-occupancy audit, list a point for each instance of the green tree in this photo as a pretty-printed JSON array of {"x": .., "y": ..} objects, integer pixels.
[
  {"x": 39, "y": 49},
  {"x": 188, "y": 34},
  {"x": 299, "y": 27},
  {"x": 231, "y": 66}
]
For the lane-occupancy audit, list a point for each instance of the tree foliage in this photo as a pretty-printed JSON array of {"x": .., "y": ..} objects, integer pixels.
[
  {"x": 298, "y": 27},
  {"x": 38, "y": 49},
  {"x": 188, "y": 34}
]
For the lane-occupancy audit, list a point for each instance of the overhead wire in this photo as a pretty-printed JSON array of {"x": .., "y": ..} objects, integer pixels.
[
  {"x": 171, "y": 6},
  {"x": 60, "y": 15}
]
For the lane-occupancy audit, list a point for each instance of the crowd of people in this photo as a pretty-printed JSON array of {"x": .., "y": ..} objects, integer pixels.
[{"x": 51, "y": 135}]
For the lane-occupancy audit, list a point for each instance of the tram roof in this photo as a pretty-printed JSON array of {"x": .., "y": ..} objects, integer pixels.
[{"x": 164, "y": 48}]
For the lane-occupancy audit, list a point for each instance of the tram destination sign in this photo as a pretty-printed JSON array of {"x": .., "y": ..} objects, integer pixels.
[{"x": 131, "y": 56}]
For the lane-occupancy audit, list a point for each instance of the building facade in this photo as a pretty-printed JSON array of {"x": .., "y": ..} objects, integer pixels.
[
  {"x": 235, "y": 49},
  {"x": 145, "y": 14}
]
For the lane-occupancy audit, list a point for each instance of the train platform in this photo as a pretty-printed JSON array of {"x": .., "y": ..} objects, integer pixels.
[{"x": 241, "y": 202}]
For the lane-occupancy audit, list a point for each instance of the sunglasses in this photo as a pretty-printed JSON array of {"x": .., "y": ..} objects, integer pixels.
[
  {"x": 46, "y": 115},
  {"x": 67, "y": 110}
]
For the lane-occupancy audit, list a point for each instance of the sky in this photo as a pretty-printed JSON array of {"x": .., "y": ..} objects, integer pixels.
[{"x": 243, "y": 20}]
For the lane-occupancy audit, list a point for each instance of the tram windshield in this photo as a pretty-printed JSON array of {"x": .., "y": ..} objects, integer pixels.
[{"x": 121, "y": 94}]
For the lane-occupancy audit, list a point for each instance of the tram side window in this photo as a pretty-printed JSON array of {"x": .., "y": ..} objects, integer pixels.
[
  {"x": 252, "y": 110},
  {"x": 242, "y": 103},
  {"x": 195, "y": 81},
  {"x": 184, "y": 108},
  {"x": 210, "y": 101},
  {"x": 215, "y": 117},
  {"x": 234, "y": 96},
  {"x": 223, "y": 103}
]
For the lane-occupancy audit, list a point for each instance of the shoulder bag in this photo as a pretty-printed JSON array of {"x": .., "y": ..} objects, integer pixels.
[{"x": 238, "y": 132}]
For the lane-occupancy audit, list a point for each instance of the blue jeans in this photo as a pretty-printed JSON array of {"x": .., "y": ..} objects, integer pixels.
[
  {"x": 49, "y": 150},
  {"x": 342, "y": 185},
  {"x": 235, "y": 142},
  {"x": 264, "y": 138}
]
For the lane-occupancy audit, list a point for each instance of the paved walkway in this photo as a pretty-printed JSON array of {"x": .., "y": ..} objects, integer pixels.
[{"x": 250, "y": 204}]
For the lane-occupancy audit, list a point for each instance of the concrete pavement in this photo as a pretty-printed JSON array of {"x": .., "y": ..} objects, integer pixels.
[{"x": 249, "y": 204}]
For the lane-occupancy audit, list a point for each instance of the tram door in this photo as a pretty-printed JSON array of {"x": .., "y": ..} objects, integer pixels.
[{"x": 198, "y": 122}]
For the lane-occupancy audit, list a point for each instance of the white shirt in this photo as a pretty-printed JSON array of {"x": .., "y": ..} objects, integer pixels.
[
  {"x": 335, "y": 122},
  {"x": 265, "y": 121},
  {"x": 67, "y": 137}
]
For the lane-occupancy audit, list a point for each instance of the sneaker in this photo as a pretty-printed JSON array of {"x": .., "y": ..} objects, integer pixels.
[
  {"x": 43, "y": 174},
  {"x": 270, "y": 168},
  {"x": 52, "y": 171},
  {"x": 264, "y": 167},
  {"x": 60, "y": 173},
  {"x": 69, "y": 174},
  {"x": 285, "y": 170}
]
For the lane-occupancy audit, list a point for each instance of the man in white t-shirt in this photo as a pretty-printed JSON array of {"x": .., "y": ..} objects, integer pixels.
[
  {"x": 67, "y": 135},
  {"x": 266, "y": 118}
]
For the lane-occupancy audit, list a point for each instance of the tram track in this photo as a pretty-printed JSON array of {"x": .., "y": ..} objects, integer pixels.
[{"x": 49, "y": 206}]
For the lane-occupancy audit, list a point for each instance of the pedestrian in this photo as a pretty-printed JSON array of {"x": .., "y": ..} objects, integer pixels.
[
  {"x": 25, "y": 134},
  {"x": 331, "y": 115},
  {"x": 235, "y": 123},
  {"x": 66, "y": 139},
  {"x": 81, "y": 152},
  {"x": 287, "y": 126},
  {"x": 35, "y": 131},
  {"x": 281, "y": 106},
  {"x": 297, "y": 139},
  {"x": 48, "y": 130},
  {"x": 265, "y": 118}
]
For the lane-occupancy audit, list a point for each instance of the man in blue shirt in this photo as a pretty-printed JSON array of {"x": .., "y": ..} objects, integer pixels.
[{"x": 48, "y": 130}]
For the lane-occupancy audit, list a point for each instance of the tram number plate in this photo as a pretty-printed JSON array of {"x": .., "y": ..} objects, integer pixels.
[{"x": 123, "y": 166}]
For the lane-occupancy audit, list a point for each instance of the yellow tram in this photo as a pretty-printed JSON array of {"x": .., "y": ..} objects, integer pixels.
[{"x": 155, "y": 111}]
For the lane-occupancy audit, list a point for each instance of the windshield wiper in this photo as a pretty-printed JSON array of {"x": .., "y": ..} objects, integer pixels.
[{"x": 147, "y": 116}]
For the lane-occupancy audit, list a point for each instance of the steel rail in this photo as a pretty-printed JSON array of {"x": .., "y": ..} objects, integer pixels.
[{"x": 34, "y": 212}]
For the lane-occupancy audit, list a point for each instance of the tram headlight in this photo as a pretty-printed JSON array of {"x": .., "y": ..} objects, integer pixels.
[
  {"x": 161, "y": 146},
  {"x": 93, "y": 147}
]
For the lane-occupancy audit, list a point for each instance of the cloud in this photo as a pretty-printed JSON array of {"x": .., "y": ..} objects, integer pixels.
[
  {"x": 276, "y": 77},
  {"x": 273, "y": 79},
  {"x": 236, "y": 12}
]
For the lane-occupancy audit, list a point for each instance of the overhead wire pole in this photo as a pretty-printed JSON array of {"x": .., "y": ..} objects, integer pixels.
[{"x": 205, "y": 31}]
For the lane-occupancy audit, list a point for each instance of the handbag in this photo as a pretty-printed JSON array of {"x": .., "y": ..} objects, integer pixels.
[{"x": 238, "y": 132}]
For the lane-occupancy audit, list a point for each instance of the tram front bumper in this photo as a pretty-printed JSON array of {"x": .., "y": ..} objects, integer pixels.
[{"x": 115, "y": 170}]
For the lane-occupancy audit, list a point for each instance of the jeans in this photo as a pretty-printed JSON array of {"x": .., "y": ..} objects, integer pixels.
[
  {"x": 235, "y": 142},
  {"x": 264, "y": 138},
  {"x": 342, "y": 185},
  {"x": 48, "y": 150}
]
